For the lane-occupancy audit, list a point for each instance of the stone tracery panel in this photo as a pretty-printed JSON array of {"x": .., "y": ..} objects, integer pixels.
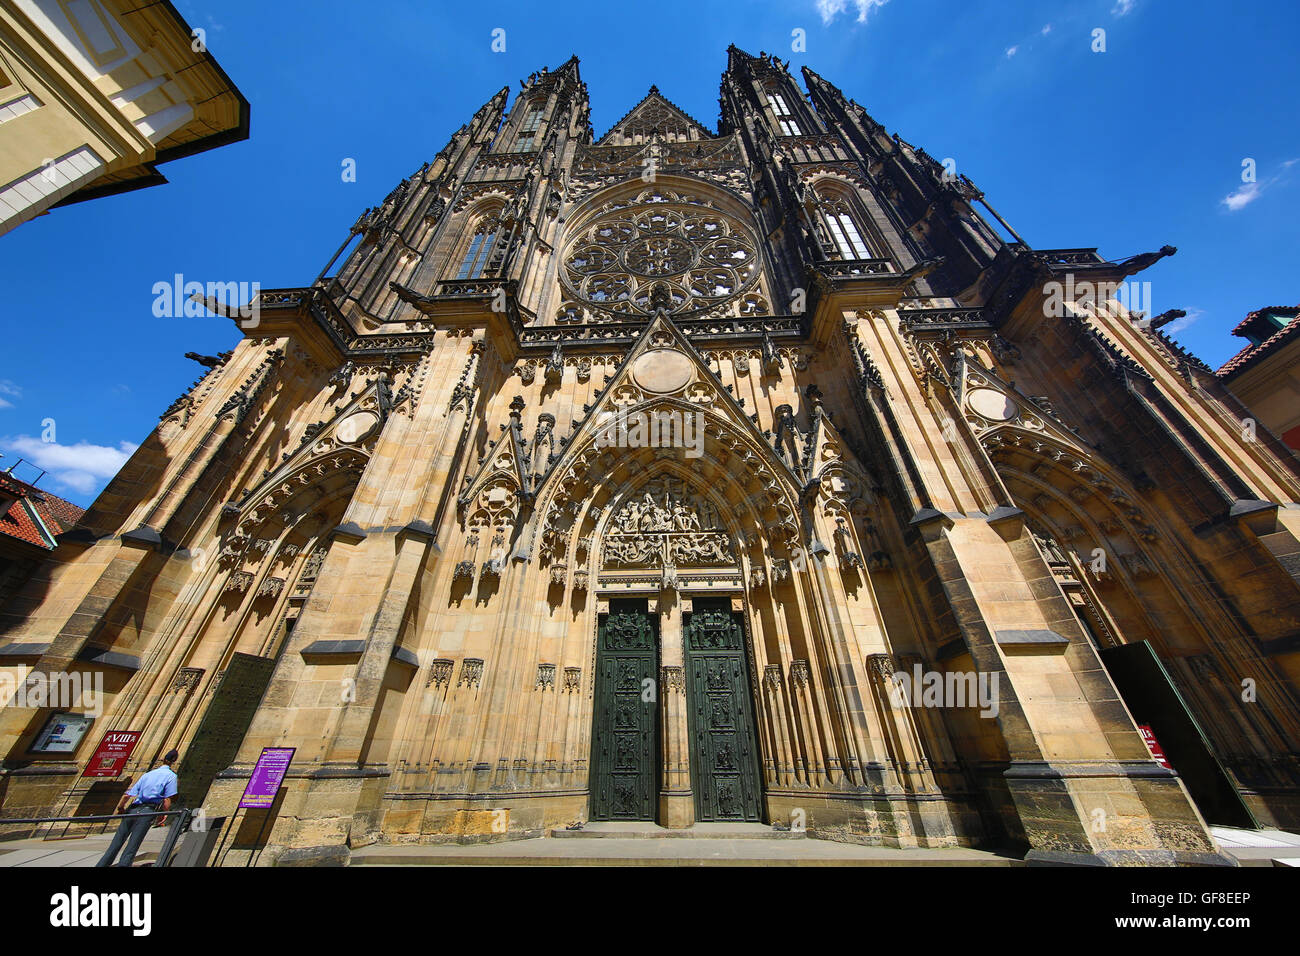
[{"x": 703, "y": 257}]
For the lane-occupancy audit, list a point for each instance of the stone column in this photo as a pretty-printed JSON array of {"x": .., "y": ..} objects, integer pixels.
[{"x": 676, "y": 799}]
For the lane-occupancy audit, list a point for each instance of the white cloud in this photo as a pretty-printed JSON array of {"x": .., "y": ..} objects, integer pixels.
[
  {"x": 1247, "y": 193},
  {"x": 830, "y": 9},
  {"x": 83, "y": 467},
  {"x": 1046, "y": 30},
  {"x": 1242, "y": 196},
  {"x": 1011, "y": 51},
  {"x": 1123, "y": 7},
  {"x": 1177, "y": 325},
  {"x": 8, "y": 388}
]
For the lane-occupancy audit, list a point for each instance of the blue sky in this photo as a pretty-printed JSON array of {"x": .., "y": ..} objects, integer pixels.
[{"x": 1126, "y": 150}]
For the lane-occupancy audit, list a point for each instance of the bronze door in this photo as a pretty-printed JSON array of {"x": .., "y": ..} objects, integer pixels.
[
  {"x": 625, "y": 732},
  {"x": 724, "y": 750}
]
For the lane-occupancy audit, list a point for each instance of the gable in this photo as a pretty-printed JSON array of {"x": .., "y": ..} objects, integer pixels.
[{"x": 654, "y": 114}]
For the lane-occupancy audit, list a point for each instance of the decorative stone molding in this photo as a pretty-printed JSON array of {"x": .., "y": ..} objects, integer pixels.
[
  {"x": 439, "y": 672},
  {"x": 572, "y": 679},
  {"x": 674, "y": 681},
  {"x": 239, "y": 581},
  {"x": 545, "y": 677},
  {"x": 471, "y": 672},
  {"x": 187, "y": 678},
  {"x": 772, "y": 677},
  {"x": 270, "y": 587}
]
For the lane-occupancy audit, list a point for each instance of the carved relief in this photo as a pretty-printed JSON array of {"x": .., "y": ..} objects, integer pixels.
[{"x": 666, "y": 526}]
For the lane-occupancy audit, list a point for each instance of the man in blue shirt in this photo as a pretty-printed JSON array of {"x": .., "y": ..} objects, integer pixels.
[{"x": 150, "y": 794}]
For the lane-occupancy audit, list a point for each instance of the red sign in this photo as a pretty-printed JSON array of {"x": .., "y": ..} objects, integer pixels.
[
  {"x": 110, "y": 757},
  {"x": 1153, "y": 745}
]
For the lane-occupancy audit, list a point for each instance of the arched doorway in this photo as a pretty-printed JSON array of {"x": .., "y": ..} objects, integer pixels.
[{"x": 673, "y": 718}]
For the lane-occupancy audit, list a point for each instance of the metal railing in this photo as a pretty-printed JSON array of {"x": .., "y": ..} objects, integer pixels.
[{"x": 179, "y": 825}]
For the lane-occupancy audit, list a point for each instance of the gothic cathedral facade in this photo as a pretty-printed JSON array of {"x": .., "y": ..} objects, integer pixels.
[{"x": 680, "y": 476}]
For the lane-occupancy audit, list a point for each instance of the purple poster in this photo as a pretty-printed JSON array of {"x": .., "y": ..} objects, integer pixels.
[{"x": 272, "y": 765}]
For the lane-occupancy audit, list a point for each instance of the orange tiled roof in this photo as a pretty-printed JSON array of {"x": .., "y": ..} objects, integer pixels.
[
  {"x": 1252, "y": 353},
  {"x": 33, "y": 509}
]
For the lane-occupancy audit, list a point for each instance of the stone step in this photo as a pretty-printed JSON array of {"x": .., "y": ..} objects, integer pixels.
[
  {"x": 702, "y": 851},
  {"x": 612, "y": 830}
]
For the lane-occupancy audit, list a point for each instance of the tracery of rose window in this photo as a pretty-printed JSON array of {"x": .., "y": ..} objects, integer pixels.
[{"x": 704, "y": 258}]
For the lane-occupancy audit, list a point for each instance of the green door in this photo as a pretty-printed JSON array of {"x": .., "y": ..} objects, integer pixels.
[
  {"x": 225, "y": 722},
  {"x": 625, "y": 734},
  {"x": 724, "y": 751}
]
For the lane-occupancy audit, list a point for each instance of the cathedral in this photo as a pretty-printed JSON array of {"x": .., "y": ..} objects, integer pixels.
[{"x": 679, "y": 476}]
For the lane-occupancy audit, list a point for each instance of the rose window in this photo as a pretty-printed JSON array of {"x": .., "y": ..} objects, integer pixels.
[{"x": 704, "y": 259}]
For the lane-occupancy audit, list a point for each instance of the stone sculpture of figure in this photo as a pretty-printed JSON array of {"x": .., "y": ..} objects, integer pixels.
[
  {"x": 1051, "y": 550},
  {"x": 649, "y": 514},
  {"x": 384, "y": 395},
  {"x": 343, "y": 374},
  {"x": 686, "y": 519},
  {"x": 627, "y": 517}
]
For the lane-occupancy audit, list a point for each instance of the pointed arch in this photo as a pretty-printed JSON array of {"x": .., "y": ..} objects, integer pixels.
[{"x": 844, "y": 227}]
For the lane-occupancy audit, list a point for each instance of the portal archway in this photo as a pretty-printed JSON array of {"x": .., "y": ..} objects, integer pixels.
[{"x": 674, "y": 731}]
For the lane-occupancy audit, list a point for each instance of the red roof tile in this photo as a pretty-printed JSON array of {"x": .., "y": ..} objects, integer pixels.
[
  {"x": 33, "y": 508},
  {"x": 1252, "y": 353},
  {"x": 18, "y": 523}
]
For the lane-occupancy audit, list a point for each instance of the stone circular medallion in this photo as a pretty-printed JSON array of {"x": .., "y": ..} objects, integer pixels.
[
  {"x": 662, "y": 370},
  {"x": 356, "y": 427},
  {"x": 991, "y": 404}
]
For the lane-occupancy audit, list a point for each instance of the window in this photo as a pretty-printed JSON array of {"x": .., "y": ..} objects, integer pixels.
[
  {"x": 783, "y": 115},
  {"x": 476, "y": 256},
  {"x": 847, "y": 239},
  {"x": 527, "y": 140}
]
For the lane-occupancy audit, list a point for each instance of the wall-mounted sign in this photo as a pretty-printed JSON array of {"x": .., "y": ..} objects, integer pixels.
[
  {"x": 110, "y": 757},
  {"x": 264, "y": 784},
  {"x": 1153, "y": 745},
  {"x": 62, "y": 734}
]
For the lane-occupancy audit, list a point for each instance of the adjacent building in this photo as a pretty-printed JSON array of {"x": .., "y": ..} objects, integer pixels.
[
  {"x": 680, "y": 473},
  {"x": 30, "y": 521},
  {"x": 96, "y": 94},
  {"x": 1266, "y": 373}
]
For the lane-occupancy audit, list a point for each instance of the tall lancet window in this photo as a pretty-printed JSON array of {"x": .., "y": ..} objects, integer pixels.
[
  {"x": 479, "y": 251},
  {"x": 844, "y": 234},
  {"x": 784, "y": 117},
  {"x": 527, "y": 140},
  {"x": 844, "y": 229}
]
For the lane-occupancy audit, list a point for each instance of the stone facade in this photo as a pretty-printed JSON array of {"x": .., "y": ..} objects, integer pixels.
[{"x": 783, "y": 386}]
